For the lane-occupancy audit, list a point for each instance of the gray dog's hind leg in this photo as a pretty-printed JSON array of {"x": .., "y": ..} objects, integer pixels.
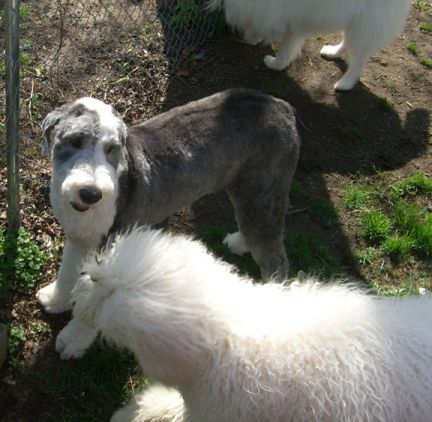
[{"x": 260, "y": 210}]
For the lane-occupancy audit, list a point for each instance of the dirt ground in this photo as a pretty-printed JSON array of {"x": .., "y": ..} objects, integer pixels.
[{"x": 382, "y": 125}]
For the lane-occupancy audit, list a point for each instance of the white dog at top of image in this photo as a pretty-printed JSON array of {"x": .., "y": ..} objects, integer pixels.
[
  {"x": 224, "y": 349},
  {"x": 366, "y": 26}
]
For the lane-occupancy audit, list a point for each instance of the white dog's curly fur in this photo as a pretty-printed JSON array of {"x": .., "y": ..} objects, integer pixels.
[
  {"x": 228, "y": 350},
  {"x": 366, "y": 26}
]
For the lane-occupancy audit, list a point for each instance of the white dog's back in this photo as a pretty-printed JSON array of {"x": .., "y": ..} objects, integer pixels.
[
  {"x": 248, "y": 352},
  {"x": 367, "y": 25}
]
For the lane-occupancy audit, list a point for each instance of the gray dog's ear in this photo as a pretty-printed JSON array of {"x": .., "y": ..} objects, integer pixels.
[
  {"x": 122, "y": 126},
  {"x": 48, "y": 125}
]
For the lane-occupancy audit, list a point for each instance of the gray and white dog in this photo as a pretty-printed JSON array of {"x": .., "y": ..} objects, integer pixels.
[{"x": 107, "y": 177}]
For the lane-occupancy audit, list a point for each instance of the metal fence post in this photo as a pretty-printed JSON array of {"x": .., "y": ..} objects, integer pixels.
[{"x": 12, "y": 110}]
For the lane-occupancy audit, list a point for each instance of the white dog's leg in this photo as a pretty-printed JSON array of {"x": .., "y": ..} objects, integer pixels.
[
  {"x": 156, "y": 404},
  {"x": 333, "y": 51},
  {"x": 289, "y": 50},
  {"x": 352, "y": 75},
  {"x": 236, "y": 243},
  {"x": 75, "y": 339},
  {"x": 55, "y": 297}
]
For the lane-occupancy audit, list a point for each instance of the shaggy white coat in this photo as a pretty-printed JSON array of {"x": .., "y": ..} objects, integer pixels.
[
  {"x": 228, "y": 350},
  {"x": 366, "y": 26}
]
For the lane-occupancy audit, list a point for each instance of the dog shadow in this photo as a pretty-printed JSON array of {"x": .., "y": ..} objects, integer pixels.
[{"x": 343, "y": 134}]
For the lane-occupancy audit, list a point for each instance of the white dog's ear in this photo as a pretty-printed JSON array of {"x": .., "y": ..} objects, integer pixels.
[{"x": 48, "y": 125}]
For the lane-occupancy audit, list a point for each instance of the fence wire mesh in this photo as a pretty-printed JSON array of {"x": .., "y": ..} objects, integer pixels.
[{"x": 115, "y": 50}]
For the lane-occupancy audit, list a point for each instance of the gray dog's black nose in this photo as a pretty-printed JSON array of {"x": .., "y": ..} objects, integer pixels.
[{"x": 90, "y": 195}]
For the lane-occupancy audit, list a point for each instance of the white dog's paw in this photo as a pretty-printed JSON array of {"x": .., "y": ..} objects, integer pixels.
[
  {"x": 345, "y": 83},
  {"x": 273, "y": 63},
  {"x": 51, "y": 300},
  {"x": 74, "y": 340},
  {"x": 236, "y": 243},
  {"x": 331, "y": 51}
]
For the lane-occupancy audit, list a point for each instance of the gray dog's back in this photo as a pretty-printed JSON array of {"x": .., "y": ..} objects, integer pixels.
[{"x": 203, "y": 147}]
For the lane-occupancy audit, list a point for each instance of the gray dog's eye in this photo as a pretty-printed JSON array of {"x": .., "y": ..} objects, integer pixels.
[
  {"x": 111, "y": 148},
  {"x": 76, "y": 142}
]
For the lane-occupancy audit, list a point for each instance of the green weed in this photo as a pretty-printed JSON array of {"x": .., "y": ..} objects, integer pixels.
[
  {"x": 412, "y": 48},
  {"x": 17, "y": 338},
  {"x": 426, "y": 26},
  {"x": 21, "y": 261},
  {"x": 375, "y": 226},
  {"x": 426, "y": 61}
]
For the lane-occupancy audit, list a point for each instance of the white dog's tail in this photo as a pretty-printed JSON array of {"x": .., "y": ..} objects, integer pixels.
[{"x": 155, "y": 404}]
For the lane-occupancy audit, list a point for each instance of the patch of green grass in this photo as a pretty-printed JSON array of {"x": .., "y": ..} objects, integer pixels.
[
  {"x": 358, "y": 196},
  {"x": 21, "y": 261},
  {"x": 406, "y": 216},
  {"x": 105, "y": 374},
  {"x": 397, "y": 247},
  {"x": 426, "y": 61},
  {"x": 375, "y": 226},
  {"x": 323, "y": 211},
  {"x": 309, "y": 254},
  {"x": 385, "y": 104},
  {"x": 426, "y": 26},
  {"x": 412, "y": 48},
  {"x": 402, "y": 289},
  {"x": 416, "y": 184}
]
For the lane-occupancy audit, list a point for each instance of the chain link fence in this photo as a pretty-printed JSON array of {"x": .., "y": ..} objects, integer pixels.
[{"x": 116, "y": 50}]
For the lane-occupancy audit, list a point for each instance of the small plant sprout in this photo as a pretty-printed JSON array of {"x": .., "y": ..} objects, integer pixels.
[
  {"x": 426, "y": 26},
  {"x": 412, "y": 48},
  {"x": 427, "y": 62}
]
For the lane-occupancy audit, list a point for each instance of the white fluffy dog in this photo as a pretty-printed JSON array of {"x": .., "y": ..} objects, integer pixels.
[
  {"x": 366, "y": 26},
  {"x": 227, "y": 350}
]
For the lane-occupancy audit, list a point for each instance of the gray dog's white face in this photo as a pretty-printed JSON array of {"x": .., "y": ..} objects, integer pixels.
[{"x": 87, "y": 138}]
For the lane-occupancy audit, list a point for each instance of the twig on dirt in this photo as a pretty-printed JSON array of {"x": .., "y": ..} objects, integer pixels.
[
  {"x": 302, "y": 124},
  {"x": 297, "y": 211},
  {"x": 30, "y": 106}
]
